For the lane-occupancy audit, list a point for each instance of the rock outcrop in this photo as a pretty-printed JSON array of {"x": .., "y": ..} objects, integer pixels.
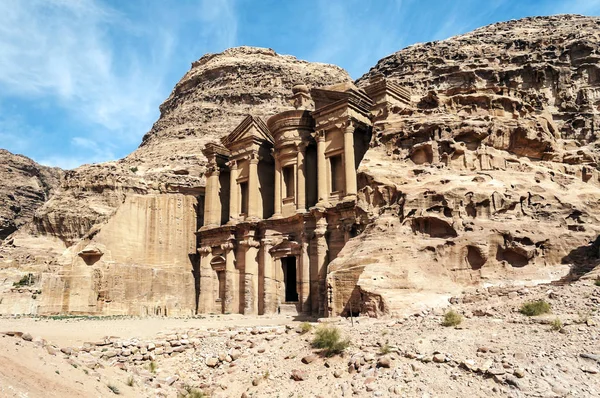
[
  {"x": 492, "y": 177},
  {"x": 25, "y": 187}
]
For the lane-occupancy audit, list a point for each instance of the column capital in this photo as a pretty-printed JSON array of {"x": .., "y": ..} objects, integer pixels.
[
  {"x": 227, "y": 246},
  {"x": 250, "y": 242},
  {"x": 349, "y": 125},
  {"x": 267, "y": 242},
  {"x": 319, "y": 135},
  {"x": 301, "y": 147},
  {"x": 320, "y": 231},
  {"x": 213, "y": 170},
  {"x": 232, "y": 164},
  {"x": 253, "y": 157},
  {"x": 204, "y": 249}
]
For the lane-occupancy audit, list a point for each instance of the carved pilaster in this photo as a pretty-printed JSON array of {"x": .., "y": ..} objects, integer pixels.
[
  {"x": 301, "y": 178},
  {"x": 278, "y": 194},
  {"x": 234, "y": 211},
  {"x": 269, "y": 304},
  {"x": 321, "y": 167},
  {"x": 305, "y": 277},
  {"x": 253, "y": 193},
  {"x": 206, "y": 280},
  {"x": 231, "y": 303},
  {"x": 349, "y": 163},
  {"x": 250, "y": 246},
  {"x": 320, "y": 240}
]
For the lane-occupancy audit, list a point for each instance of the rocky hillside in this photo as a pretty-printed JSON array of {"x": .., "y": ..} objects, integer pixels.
[
  {"x": 25, "y": 187},
  {"x": 209, "y": 102},
  {"x": 493, "y": 176},
  {"x": 542, "y": 63}
]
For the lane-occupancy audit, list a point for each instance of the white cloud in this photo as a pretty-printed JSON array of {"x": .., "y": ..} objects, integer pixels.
[
  {"x": 61, "y": 50},
  {"x": 106, "y": 69}
]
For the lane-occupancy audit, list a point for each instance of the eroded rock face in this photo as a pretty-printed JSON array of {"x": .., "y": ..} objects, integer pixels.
[
  {"x": 25, "y": 186},
  {"x": 492, "y": 177}
]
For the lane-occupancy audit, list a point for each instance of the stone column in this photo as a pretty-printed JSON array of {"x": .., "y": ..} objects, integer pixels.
[
  {"x": 300, "y": 179},
  {"x": 250, "y": 275},
  {"x": 322, "y": 249},
  {"x": 231, "y": 304},
  {"x": 305, "y": 275},
  {"x": 269, "y": 287},
  {"x": 278, "y": 199},
  {"x": 206, "y": 299},
  {"x": 253, "y": 193},
  {"x": 234, "y": 211},
  {"x": 349, "y": 166},
  {"x": 212, "y": 214},
  {"x": 321, "y": 167}
]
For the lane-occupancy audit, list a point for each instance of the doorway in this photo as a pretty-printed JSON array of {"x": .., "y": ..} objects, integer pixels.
[{"x": 289, "y": 279}]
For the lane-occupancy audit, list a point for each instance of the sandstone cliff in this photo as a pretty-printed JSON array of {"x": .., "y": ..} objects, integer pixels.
[
  {"x": 118, "y": 237},
  {"x": 25, "y": 187},
  {"x": 492, "y": 177}
]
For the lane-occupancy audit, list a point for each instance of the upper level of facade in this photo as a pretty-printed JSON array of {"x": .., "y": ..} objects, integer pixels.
[{"x": 299, "y": 158}]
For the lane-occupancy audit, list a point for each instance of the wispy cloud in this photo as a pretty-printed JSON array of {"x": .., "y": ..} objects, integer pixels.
[{"x": 107, "y": 69}]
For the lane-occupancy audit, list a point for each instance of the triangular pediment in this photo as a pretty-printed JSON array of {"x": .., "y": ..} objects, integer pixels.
[{"x": 252, "y": 128}]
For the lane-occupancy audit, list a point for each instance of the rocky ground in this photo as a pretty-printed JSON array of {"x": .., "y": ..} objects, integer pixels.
[{"x": 496, "y": 352}]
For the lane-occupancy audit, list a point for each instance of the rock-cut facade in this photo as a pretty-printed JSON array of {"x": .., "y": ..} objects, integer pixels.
[{"x": 281, "y": 201}]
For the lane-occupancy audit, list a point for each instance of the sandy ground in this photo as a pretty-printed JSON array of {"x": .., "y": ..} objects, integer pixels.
[
  {"x": 27, "y": 370},
  {"x": 76, "y": 331},
  {"x": 495, "y": 352}
]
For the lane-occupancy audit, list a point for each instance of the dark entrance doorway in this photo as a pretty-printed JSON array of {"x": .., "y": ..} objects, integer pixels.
[{"x": 289, "y": 279}]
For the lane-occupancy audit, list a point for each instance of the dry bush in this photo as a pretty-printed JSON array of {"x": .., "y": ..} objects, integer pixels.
[
  {"x": 452, "y": 318},
  {"x": 533, "y": 308},
  {"x": 329, "y": 339}
]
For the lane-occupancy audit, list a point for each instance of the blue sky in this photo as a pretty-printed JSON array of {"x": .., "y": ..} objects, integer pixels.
[{"x": 81, "y": 80}]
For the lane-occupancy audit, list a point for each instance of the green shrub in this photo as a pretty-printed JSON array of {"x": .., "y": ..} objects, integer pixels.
[
  {"x": 305, "y": 327},
  {"x": 26, "y": 280},
  {"x": 329, "y": 339},
  {"x": 597, "y": 282},
  {"x": 152, "y": 366},
  {"x": 130, "y": 381},
  {"x": 191, "y": 392},
  {"x": 533, "y": 308},
  {"x": 133, "y": 169},
  {"x": 452, "y": 318},
  {"x": 114, "y": 389},
  {"x": 385, "y": 349},
  {"x": 556, "y": 324}
]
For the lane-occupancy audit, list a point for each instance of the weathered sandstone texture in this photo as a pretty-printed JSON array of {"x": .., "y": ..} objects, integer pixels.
[
  {"x": 25, "y": 187},
  {"x": 492, "y": 177}
]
